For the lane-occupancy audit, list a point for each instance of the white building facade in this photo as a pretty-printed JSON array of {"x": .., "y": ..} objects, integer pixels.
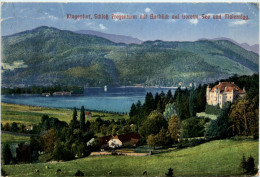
[{"x": 222, "y": 93}]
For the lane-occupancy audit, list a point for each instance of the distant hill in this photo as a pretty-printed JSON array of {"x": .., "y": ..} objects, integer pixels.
[
  {"x": 112, "y": 37},
  {"x": 253, "y": 48},
  {"x": 49, "y": 56}
]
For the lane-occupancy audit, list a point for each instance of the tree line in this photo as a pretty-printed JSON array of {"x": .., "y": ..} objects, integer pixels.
[{"x": 42, "y": 89}]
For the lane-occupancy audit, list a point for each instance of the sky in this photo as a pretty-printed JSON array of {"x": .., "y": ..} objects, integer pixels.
[{"x": 17, "y": 17}]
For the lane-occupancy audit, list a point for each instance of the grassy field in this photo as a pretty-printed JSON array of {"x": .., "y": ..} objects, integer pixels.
[
  {"x": 29, "y": 115},
  {"x": 216, "y": 158},
  {"x": 7, "y": 138}
]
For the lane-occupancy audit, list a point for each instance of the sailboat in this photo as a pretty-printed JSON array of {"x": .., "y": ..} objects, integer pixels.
[{"x": 105, "y": 88}]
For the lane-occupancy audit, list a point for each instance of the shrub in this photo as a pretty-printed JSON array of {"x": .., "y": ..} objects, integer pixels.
[
  {"x": 215, "y": 110},
  {"x": 170, "y": 172},
  {"x": 3, "y": 172},
  {"x": 79, "y": 173},
  {"x": 248, "y": 165}
]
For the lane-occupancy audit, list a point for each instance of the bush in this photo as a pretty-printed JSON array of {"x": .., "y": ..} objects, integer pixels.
[
  {"x": 170, "y": 172},
  {"x": 3, "y": 172},
  {"x": 79, "y": 173},
  {"x": 248, "y": 166},
  {"x": 215, "y": 110}
]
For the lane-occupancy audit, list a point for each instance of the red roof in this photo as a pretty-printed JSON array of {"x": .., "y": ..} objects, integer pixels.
[
  {"x": 227, "y": 87},
  {"x": 87, "y": 113},
  {"x": 128, "y": 136},
  {"x": 104, "y": 140}
]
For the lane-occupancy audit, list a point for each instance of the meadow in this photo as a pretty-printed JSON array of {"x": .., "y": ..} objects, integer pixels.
[
  {"x": 30, "y": 115},
  {"x": 215, "y": 158},
  {"x": 8, "y": 138}
]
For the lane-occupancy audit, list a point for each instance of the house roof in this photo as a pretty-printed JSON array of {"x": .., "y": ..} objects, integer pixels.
[
  {"x": 104, "y": 140},
  {"x": 128, "y": 136},
  {"x": 87, "y": 113},
  {"x": 123, "y": 138},
  {"x": 227, "y": 87}
]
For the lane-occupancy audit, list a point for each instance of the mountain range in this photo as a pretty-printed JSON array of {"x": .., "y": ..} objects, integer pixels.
[
  {"x": 253, "y": 48},
  {"x": 48, "y": 56},
  {"x": 112, "y": 37}
]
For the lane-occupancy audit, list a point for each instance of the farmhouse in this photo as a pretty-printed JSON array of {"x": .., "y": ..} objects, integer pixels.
[
  {"x": 62, "y": 93},
  {"x": 222, "y": 93},
  {"x": 128, "y": 139},
  {"x": 88, "y": 114}
]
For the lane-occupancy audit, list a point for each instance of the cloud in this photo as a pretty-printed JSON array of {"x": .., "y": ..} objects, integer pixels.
[
  {"x": 194, "y": 21},
  {"x": 240, "y": 22},
  {"x": 148, "y": 10},
  {"x": 171, "y": 21},
  {"x": 102, "y": 27}
]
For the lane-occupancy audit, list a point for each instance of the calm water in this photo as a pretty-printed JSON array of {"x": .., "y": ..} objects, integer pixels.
[{"x": 115, "y": 99}]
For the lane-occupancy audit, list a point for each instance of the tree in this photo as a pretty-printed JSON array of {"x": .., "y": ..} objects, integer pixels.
[
  {"x": 192, "y": 127},
  {"x": 34, "y": 147},
  {"x": 192, "y": 100},
  {"x": 48, "y": 140},
  {"x": 169, "y": 111},
  {"x": 153, "y": 124},
  {"x": 23, "y": 153},
  {"x": 14, "y": 127},
  {"x": 82, "y": 118},
  {"x": 132, "y": 110},
  {"x": 163, "y": 137},
  {"x": 162, "y": 102},
  {"x": 44, "y": 117},
  {"x": 152, "y": 141},
  {"x": 148, "y": 104},
  {"x": 174, "y": 126},
  {"x": 7, "y": 127},
  {"x": 169, "y": 97},
  {"x": 74, "y": 119},
  {"x": 7, "y": 155},
  {"x": 244, "y": 117},
  {"x": 170, "y": 173}
]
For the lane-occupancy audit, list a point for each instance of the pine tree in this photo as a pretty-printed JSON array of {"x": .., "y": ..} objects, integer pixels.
[
  {"x": 132, "y": 110},
  {"x": 82, "y": 118},
  {"x": 7, "y": 155},
  {"x": 169, "y": 97},
  {"x": 74, "y": 119},
  {"x": 149, "y": 103},
  {"x": 192, "y": 101}
]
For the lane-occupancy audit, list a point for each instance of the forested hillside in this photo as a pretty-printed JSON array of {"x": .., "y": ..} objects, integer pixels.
[{"x": 49, "y": 56}]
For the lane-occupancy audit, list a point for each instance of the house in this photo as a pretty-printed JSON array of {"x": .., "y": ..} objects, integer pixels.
[
  {"x": 222, "y": 93},
  {"x": 62, "y": 93},
  {"x": 90, "y": 142},
  {"x": 128, "y": 139},
  {"x": 104, "y": 141},
  {"x": 88, "y": 114},
  {"x": 29, "y": 127}
]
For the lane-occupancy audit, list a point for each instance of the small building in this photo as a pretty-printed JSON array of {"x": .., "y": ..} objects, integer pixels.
[
  {"x": 29, "y": 127},
  {"x": 116, "y": 141},
  {"x": 104, "y": 141},
  {"x": 62, "y": 93},
  {"x": 46, "y": 94},
  {"x": 88, "y": 114},
  {"x": 222, "y": 93}
]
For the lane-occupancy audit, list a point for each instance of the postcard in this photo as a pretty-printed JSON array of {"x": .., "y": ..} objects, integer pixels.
[{"x": 129, "y": 88}]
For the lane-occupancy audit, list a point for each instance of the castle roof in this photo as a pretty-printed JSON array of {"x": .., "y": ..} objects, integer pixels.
[{"x": 227, "y": 87}]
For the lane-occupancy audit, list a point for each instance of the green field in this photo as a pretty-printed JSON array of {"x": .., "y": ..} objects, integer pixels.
[
  {"x": 7, "y": 138},
  {"x": 216, "y": 158},
  {"x": 29, "y": 115}
]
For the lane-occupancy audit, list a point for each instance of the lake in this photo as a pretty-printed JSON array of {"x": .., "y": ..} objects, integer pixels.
[{"x": 117, "y": 99}]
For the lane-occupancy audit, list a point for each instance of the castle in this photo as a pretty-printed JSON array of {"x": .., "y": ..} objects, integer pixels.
[{"x": 222, "y": 93}]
